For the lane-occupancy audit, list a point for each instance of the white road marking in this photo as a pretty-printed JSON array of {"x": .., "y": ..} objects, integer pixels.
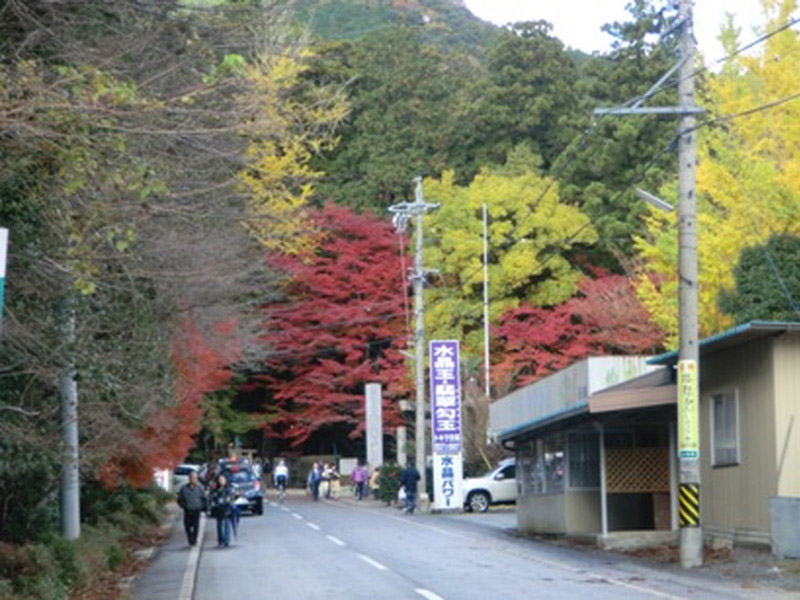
[
  {"x": 428, "y": 594},
  {"x": 271, "y": 503},
  {"x": 313, "y": 526},
  {"x": 373, "y": 562},
  {"x": 554, "y": 563},
  {"x": 336, "y": 540},
  {"x": 283, "y": 508},
  {"x": 296, "y": 516}
]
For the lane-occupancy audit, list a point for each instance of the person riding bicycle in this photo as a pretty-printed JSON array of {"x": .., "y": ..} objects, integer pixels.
[{"x": 280, "y": 476}]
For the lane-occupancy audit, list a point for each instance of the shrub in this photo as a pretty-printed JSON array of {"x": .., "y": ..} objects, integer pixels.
[{"x": 389, "y": 482}]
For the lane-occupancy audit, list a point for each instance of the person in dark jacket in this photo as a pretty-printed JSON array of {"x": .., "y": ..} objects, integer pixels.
[
  {"x": 192, "y": 499},
  {"x": 409, "y": 479},
  {"x": 222, "y": 499}
]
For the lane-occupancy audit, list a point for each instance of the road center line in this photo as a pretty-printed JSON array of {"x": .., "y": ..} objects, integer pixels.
[
  {"x": 296, "y": 516},
  {"x": 428, "y": 594},
  {"x": 313, "y": 526},
  {"x": 335, "y": 540},
  {"x": 373, "y": 562}
]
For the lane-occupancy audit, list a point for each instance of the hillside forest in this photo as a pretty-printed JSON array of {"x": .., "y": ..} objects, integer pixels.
[{"x": 197, "y": 197}]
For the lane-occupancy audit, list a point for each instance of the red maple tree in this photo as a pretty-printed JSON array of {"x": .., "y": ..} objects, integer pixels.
[
  {"x": 341, "y": 326},
  {"x": 202, "y": 361},
  {"x": 605, "y": 317}
]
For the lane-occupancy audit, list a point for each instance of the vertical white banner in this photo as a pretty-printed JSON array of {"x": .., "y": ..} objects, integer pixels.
[
  {"x": 446, "y": 425},
  {"x": 448, "y": 489}
]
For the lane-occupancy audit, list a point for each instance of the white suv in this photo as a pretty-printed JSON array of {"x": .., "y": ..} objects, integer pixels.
[{"x": 498, "y": 486}]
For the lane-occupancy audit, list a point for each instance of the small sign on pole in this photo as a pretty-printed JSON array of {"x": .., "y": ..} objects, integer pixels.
[{"x": 688, "y": 433}]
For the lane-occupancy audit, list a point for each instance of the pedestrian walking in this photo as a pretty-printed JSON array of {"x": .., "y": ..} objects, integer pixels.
[
  {"x": 409, "y": 480},
  {"x": 192, "y": 499},
  {"x": 222, "y": 499},
  {"x": 359, "y": 477},
  {"x": 314, "y": 479},
  {"x": 374, "y": 486},
  {"x": 329, "y": 475}
]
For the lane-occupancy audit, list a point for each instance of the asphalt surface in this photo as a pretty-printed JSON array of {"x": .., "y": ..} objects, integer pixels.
[{"x": 349, "y": 550}]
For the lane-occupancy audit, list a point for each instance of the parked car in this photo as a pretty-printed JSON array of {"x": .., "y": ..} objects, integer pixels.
[
  {"x": 498, "y": 486},
  {"x": 247, "y": 486},
  {"x": 180, "y": 475}
]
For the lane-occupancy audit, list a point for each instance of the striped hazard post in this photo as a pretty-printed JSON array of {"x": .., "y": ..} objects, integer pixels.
[{"x": 689, "y": 505}]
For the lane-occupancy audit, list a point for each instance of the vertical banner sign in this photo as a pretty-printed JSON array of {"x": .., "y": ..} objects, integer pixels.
[
  {"x": 688, "y": 410},
  {"x": 3, "y": 249},
  {"x": 446, "y": 425}
]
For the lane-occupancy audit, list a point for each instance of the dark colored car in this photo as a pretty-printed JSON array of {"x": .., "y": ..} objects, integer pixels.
[{"x": 247, "y": 486}]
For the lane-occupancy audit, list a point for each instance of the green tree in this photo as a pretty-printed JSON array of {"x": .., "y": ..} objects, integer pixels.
[
  {"x": 531, "y": 236},
  {"x": 405, "y": 100},
  {"x": 529, "y": 97},
  {"x": 619, "y": 148},
  {"x": 767, "y": 284}
]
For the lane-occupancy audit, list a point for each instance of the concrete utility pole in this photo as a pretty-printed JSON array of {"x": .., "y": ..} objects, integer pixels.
[
  {"x": 691, "y": 535},
  {"x": 402, "y": 212},
  {"x": 689, "y": 355},
  {"x": 70, "y": 476},
  {"x": 3, "y": 249}
]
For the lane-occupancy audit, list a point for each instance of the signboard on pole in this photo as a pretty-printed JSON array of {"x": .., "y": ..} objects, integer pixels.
[
  {"x": 3, "y": 252},
  {"x": 688, "y": 410},
  {"x": 446, "y": 424}
]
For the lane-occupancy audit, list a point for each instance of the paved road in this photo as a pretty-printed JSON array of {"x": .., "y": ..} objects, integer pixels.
[{"x": 308, "y": 550}]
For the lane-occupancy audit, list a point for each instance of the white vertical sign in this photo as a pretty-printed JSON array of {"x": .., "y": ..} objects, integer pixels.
[{"x": 446, "y": 425}]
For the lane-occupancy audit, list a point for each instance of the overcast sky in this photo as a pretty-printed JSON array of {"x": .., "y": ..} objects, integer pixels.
[{"x": 577, "y": 22}]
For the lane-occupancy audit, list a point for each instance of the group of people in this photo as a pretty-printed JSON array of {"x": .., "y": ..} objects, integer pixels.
[
  {"x": 220, "y": 502},
  {"x": 323, "y": 479}
]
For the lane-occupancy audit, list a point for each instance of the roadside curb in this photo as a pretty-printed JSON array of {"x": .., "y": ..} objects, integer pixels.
[{"x": 190, "y": 573}]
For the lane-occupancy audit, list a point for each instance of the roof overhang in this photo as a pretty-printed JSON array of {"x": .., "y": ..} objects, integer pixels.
[
  {"x": 732, "y": 337},
  {"x": 643, "y": 392}
]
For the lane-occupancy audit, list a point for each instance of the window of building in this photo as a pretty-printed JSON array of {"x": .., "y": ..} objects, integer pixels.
[
  {"x": 541, "y": 464},
  {"x": 583, "y": 454},
  {"x": 725, "y": 429}
]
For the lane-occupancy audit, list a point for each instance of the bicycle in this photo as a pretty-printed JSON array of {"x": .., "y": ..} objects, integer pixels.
[{"x": 281, "y": 485}]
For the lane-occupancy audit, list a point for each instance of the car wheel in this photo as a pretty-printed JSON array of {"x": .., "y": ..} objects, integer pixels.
[
  {"x": 258, "y": 509},
  {"x": 478, "y": 501}
]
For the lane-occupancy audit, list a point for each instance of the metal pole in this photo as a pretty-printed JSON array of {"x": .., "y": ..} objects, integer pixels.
[
  {"x": 70, "y": 477},
  {"x": 402, "y": 212},
  {"x": 487, "y": 373},
  {"x": 691, "y": 539},
  {"x": 419, "y": 346}
]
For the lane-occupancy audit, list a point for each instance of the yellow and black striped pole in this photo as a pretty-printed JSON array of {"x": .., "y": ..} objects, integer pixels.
[{"x": 689, "y": 505}]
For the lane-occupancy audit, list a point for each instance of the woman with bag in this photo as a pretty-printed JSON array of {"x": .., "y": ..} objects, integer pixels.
[{"x": 222, "y": 499}]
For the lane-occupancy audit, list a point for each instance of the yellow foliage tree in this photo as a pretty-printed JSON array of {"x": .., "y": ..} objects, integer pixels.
[
  {"x": 530, "y": 234},
  {"x": 290, "y": 119},
  {"x": 748, "y": 177}
]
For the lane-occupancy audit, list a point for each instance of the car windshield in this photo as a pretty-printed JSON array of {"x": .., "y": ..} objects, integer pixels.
[
  {"x": 184, "y": 470},
  {"x": 239, "y": 476}
]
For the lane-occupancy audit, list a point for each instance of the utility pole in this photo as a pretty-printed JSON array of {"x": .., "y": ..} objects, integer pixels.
[
  {"x": 486, "y": 375},
  {"x": 688, "y": 355},
  {"x": 70, "y": 476},
  {"x": 402, "y": 211},
  {"x": 691, "y": 533},
  {"x": 3, "y": 252}
]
